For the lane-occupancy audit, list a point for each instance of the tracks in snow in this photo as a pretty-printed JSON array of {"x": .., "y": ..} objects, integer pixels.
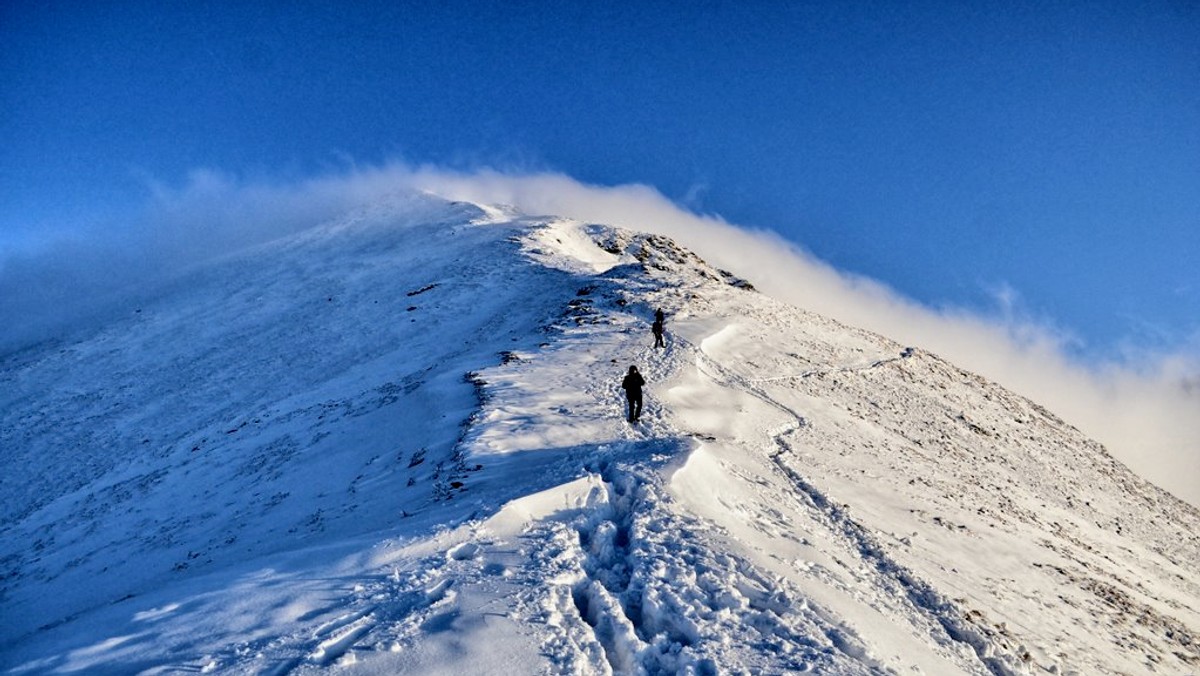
[
  {"x": 376, "y": 614},
  {"x": 656, "y": 593},
  {"x": 919, "y": 594},
  {"x": 908, "y": 352}
]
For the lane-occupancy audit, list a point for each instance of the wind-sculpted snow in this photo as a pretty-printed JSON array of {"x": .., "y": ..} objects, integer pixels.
[{"x": 396, "y": 444}]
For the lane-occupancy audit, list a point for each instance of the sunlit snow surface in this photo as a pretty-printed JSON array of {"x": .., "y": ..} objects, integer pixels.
[{"x": 395, "y": 444}]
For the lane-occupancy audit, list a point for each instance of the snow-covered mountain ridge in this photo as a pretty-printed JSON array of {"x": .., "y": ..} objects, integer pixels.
[{"x": 395, "y": 443}]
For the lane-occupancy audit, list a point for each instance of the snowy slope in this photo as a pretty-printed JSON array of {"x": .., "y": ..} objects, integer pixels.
[{"x": 395, "y": 444}]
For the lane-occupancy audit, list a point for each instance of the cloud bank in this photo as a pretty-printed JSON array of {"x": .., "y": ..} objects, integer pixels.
[{"x": 1146, "y": 412}]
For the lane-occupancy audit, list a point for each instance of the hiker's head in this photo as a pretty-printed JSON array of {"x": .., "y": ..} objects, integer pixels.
[{"x": 633, "y": 369}]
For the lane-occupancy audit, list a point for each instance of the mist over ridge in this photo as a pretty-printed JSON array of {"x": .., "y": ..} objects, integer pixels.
[{"x": 1146, "y": 409}]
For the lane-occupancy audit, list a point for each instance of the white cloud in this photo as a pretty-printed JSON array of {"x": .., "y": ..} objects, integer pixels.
[
  {"x": 51, "y": 287},
  {"x": 1145, "y": 412}
]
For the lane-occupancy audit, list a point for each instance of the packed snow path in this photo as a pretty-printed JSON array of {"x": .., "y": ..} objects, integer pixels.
[{"x": 799, "y": 496}]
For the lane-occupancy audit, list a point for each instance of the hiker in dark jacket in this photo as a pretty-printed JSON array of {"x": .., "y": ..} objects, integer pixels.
[
  {"x": 632, "y": 384},
  {"x": 657, "y": 328}
]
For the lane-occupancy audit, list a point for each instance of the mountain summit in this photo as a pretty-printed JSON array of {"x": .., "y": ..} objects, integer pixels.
[{"x": 396, "y": 443}]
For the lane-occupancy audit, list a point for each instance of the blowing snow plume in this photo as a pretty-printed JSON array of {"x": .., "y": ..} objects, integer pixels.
[
  {"x": 1146, "y": 413},
  {"x": 84, "y": 276}
]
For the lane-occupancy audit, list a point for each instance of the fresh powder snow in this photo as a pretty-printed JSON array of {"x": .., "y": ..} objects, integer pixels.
[{"x": 395, "y": 443}]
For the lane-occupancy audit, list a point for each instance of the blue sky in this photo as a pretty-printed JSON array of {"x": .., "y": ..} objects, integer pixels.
[{"x": 1040, "y": 159}]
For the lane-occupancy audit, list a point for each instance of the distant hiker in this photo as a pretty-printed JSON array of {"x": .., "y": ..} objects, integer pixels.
[
  {"x": 657, "y": 328},
  {"x": 632, "y": 384}
]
